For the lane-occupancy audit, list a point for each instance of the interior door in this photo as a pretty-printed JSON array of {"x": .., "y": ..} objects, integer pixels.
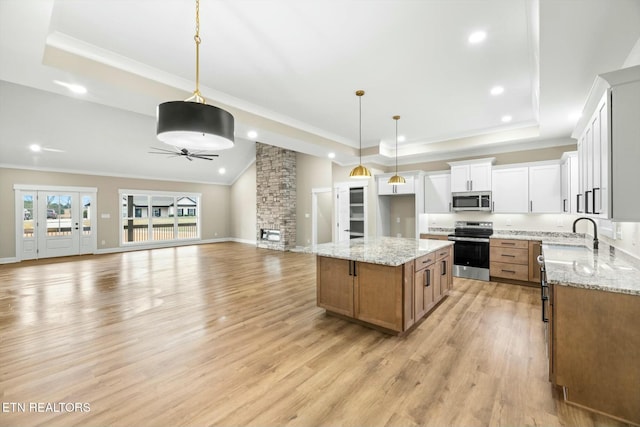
[
  {"x": 58, "y": 224},
  {"x": 342, "y": 213}
]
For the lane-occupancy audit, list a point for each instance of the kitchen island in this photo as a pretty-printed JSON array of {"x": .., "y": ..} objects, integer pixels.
[
  {"x": 592, "y": 306},
  {"x": 386, "y": 283}
]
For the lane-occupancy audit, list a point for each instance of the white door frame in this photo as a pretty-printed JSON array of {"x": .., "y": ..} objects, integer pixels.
[
  {"x": 314, "y": 212},
  {"x": 336, "y": 208},
  {"x": 86, "y": 245}
]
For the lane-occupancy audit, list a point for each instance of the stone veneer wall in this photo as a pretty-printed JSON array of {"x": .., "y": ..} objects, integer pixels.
[{"x": 276, "y": 195}]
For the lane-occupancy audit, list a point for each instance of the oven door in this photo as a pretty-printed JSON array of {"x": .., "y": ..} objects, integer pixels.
[{"x": 471, "y": 251}]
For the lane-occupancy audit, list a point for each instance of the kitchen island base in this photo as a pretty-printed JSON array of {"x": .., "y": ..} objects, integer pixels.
[{"x": 392, "y": 299}]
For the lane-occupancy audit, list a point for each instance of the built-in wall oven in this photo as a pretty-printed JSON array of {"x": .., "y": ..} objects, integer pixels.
[{"x": 471, "y": 249}]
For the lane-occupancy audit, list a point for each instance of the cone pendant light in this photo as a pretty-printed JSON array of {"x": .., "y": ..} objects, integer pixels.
[
  {"x": 397, "y": 179},
  {"x": 360, "y": 172}
]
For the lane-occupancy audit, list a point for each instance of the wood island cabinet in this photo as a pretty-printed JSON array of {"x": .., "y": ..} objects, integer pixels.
[{"x": 390, "y": 298}]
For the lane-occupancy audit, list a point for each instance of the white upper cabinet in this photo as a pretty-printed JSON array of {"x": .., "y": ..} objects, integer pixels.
[
  {"x": 471, "y": 175},
  {"x": 569, "y": 180},
  {"x": 608, "y": 148},
  {"x": 510, "y": 190},
  {"x": 437, "y": 193},
  {"x": 544, "y": 188},
  {"x": 386, "y": 189}
]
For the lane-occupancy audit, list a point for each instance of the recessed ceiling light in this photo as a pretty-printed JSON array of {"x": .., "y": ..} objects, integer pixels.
[
  {"x": 497, "y": 90},
  {"x": 77, "y": 89},
  {"x": 222, "y": 171},
  {"x": 506, "y": 119},
  {"x": 477, "y": 37},
  {"x": 332, "y": 155},
  {"x": 402, "y": 138},
  {"x": 35, "y": 148},
  {"x": 252, "y": 134}
]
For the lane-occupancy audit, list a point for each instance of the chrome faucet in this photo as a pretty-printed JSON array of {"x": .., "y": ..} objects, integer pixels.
[{"x": 595, "y": 230}]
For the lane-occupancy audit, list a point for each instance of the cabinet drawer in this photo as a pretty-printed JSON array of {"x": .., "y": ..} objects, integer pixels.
[
  {"x": 509, "y": 271},
  {"x": 435, "y": 236},
  {"x": 442, "y": 253},
  {"x": 424, "y": 261},
  {"x": 510, "y": 243},
  {"x": 509, "y": 255}
]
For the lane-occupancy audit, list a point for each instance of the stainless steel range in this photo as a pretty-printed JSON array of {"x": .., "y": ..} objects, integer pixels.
[{"x": 471, "y": 249}]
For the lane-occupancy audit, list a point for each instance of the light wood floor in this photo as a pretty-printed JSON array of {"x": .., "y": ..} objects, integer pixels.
[{"x": 229, "y": 335}]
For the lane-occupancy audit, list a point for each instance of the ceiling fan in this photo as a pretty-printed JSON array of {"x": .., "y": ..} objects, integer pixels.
[{"x": 183, "y": 152}]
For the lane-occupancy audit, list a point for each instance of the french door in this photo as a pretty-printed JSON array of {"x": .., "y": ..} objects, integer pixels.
[{"x": 54, "y": 222}]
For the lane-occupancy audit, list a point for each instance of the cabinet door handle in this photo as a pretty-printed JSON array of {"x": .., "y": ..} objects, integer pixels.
[
  {"x": 471, "y": 185},
  {"x": 578, "y": 203},
  {"x": 564, "y": 205},
  {"x": 350, "y": 268},
  {"x": 508, "y": 256},
  {"x": 508, "y": 243},
  {"x": 427, "y": 278},
  {"x": 594, "y": 200},
  {"x": 443, "y": 268},
  {"x": 449, "y": 206},
  {"x": 355, "y": 269},
  {"x": 530, "y": 205},
  {"x": 508, "y": 271},
  {"x": 493, "y": 206},
  {"x": 586, "y": 201}
]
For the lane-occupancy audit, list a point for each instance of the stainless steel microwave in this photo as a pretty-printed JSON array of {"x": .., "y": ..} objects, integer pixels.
[{"x": 472, "y": 201}]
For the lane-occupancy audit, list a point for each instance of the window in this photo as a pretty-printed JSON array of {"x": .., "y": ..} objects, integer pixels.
[{"x": 162, "y": 225}]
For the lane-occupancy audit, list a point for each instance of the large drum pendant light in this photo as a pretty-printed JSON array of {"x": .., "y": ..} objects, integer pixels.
[
  {"x": 397, "y": 179},
  {"x": 192, "y": 123},
  {"x": 360, "y": 172}
]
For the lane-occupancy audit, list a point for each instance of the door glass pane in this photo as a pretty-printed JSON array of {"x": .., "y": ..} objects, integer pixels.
[
  {"x": 27, "y": 215},
  {"x": 188, "y": 221},
  {"x": 86, "y": 215},
  {"x": 163, "y": 216},
  {"x": 58, "y": 215},
  {"x": 135, "y": 220}
]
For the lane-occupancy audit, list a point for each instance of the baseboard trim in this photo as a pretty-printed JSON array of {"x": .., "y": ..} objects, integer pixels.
[
  {"x": 161, "y": 246},
  {"x": 247, "y": 241},
  {"x": 9, "y": 260}
]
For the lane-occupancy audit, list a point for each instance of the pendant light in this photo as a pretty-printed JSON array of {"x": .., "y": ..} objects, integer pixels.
[
  {"x": 360, "y": 172},
  {"x": 192, "y": 123},
  {"x": 397, "y": 179}
]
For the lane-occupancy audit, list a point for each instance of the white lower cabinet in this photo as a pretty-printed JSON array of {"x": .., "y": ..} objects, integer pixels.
[{"x": 510, "y": 190}]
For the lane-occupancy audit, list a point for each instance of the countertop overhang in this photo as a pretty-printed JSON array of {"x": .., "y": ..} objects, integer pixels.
[
  {"x": 392, "y": 251},
  {"x": 578, "y": 265}
]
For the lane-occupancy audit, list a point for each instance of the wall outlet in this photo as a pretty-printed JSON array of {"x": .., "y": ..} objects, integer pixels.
[
  {"x": 105, "y": 216},
  {"x": 103, "y": 243},
  {"x": 398, "y": 220},
  {"x": 215, "y": 234}
]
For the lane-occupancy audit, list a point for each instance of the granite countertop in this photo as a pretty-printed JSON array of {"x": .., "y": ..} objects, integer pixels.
[
  {"x": 544, "y": 236},
  {"x": 605, "y": 269},
  {"x": 392, "y": 251}
]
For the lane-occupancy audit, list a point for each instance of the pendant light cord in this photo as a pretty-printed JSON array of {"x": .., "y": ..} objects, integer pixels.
[
  {"x": 396, "y": 146},
  {"x": 360, "y": 121},
  {"x": 197, "y": 96}
]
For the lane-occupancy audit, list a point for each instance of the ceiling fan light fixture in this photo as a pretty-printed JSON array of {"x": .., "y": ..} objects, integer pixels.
[
  {"x": 360, "y": 171},
  {"x": 192, "y": 123},
  {"x": 397, "y": 179}
]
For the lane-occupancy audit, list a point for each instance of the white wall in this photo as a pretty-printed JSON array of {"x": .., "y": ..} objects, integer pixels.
[{"x": 243, "y": 206}]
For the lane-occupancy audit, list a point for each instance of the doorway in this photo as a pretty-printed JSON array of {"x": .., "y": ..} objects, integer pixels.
[
  {"x": 54, "y": 222},
  {"x": 321, "y": 208}
]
